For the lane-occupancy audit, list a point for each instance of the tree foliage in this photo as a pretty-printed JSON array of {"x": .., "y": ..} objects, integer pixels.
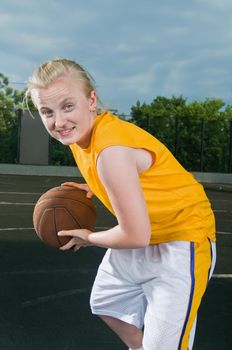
[
  {"x": 198, "y": 133},
  {"x": 10, "y": 102},
  {"x": 60, "y": 154}
]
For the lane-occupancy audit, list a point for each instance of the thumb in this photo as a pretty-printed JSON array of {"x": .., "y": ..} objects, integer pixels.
[{"x": 89, "y": 194}]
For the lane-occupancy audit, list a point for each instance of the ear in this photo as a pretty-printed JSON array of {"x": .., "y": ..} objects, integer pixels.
[{"x": 93, "y": 101}]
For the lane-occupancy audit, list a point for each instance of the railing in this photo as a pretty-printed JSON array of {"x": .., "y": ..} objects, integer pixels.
[{"x": 199, "y": 145}]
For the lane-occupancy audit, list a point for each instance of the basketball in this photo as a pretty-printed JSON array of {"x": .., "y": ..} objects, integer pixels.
[{"x": 62, "y": 208}]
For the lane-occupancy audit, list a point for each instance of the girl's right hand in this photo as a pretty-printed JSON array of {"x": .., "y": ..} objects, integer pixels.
[{"x": 85, "y": 187}]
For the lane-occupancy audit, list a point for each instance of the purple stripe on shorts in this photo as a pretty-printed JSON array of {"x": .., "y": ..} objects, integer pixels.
[{"x": 192, "y": 260}]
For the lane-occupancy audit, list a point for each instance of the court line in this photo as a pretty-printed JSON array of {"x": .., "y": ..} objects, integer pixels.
[
  {"x": 43, "y": 272},
  {"x": 79, "y": 271},
  {"x": 33, "y": 204},
  {"x": 222, "y": 275},
  {"x": 29, "y": 193},
  {"x": 39, "y": 193},
  {"x": 63, "y": 294},
  {"x": 10, "y": 203},
  {"x": 16, "y": 228},
  {"x": 223, "y": 233},
  {"x": 48, "y": 298},
  {"x": 97, "y": 227},
  {"x": 221, "y": 211},
  {"x": 32, "y": 228}
]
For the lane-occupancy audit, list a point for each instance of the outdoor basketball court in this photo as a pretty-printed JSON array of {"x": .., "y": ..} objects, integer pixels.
[{"x": 44, "y": 294}]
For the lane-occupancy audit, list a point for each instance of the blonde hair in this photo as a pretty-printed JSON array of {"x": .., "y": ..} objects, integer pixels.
[{"x": 48, "y": 71}]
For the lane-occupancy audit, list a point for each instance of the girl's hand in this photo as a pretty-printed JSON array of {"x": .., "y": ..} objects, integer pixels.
[
  {"x": 79, "y": 238},
  {"x": 85, "y": 187}
]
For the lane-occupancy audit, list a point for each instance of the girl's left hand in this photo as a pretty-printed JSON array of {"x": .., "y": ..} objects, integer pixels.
[{"x": 79, "y": 238}]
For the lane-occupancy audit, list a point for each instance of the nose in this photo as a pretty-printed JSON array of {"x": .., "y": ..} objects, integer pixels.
[{"x": 59, "y": 120}]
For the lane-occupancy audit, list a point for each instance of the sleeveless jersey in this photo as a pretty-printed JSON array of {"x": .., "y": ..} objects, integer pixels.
[{"x": 177, "y": 204}]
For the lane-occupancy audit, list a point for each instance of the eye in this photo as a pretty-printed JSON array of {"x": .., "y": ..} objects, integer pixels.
[
  {"x": 47, "y": 113},
  {"x": 68, "y": 107}
]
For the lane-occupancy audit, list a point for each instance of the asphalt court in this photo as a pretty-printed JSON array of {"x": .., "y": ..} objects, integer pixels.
[{"x": 44, "y": 294}]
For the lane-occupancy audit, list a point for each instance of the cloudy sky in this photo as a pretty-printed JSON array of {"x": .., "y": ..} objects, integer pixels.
[{"x": 136, "y": 50}]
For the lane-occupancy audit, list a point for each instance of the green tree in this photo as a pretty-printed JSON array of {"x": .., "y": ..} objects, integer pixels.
[
  {"x": 197, "y": 132},
  {"x": 60, "y": 154},
  {"x": 10, "y": 102}
]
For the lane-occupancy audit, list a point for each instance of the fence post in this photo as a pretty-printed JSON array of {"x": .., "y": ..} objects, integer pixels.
[
  {"x": 148, "y": 123},
  {"x": 19, "y": 118},
  {"x": 202, "y": 144},
  {"x": 230, "y": 149}
]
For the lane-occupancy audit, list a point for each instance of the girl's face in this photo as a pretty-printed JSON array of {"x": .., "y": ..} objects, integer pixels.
[{"x": 66, "y": 112}]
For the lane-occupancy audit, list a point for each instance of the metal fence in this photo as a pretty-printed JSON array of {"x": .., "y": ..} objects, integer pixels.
[{"x": 199, "y": 145}]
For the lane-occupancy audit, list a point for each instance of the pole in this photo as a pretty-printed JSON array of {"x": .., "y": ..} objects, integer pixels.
[{"x": 230, "y": 149}]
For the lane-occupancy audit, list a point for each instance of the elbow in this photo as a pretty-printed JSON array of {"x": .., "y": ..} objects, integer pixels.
[
  {"x": 135, "y": 237},
  {"x": 141, "y": 246},
  {"x": 143, "y": 241}
]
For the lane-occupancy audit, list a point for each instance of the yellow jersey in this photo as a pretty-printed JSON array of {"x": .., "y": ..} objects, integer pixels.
[{"x": 177, "y": 204}]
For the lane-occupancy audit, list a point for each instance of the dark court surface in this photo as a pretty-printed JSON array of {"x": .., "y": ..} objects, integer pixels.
[{"x": 44, "y": 294}]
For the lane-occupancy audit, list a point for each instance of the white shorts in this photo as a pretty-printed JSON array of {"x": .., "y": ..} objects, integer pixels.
[{"x": 158, "y": 287}]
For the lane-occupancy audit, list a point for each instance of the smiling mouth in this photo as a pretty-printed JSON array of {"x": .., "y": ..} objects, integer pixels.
[{"x": 65, "y": 132}]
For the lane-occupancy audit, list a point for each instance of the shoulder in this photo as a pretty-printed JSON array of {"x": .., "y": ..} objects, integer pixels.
[
  {"x": 109, "y": 122},
  {"x": 115, "y": 162},
  {"x": 113, "y": 131},
  {"x": 115, "y": 156}
]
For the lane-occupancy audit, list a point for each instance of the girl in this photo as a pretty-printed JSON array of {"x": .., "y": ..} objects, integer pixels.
[{"x": 161, "y": 254}]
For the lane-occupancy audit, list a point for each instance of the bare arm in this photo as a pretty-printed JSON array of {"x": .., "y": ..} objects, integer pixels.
[{"x": 118, "y": 171}]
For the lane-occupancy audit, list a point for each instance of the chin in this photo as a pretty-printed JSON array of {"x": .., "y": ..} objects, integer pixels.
[{"x": 66, "y": 142}]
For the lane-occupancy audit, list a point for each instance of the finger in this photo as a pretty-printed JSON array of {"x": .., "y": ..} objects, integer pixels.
[
  {"x": 71, "y": 184},
  {"x": 71, "y": 233},
  {"x": 89, "y": 194},
  {"x": 68, "y": 245},
  {"x": 76, "y": 248},
  {"x": 84, "y": 187}
]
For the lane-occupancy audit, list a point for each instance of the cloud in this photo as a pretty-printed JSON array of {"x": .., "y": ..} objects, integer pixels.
[
  {"x": 222, "y": 5},
  {"x": 135, "y": 50},
  {"x": 140, "y": 83}
]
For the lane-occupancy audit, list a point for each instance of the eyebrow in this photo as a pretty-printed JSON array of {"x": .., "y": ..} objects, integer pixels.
[
  {"x": 65, "y": 100},
  {"x": 45, "y": 108}
]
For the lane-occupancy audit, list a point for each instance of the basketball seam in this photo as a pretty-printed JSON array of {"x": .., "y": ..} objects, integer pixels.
[
  {"x": 54, "y": 220},
  {"x": 39, "y": 223},
  {"x": 70, "y": 199},
  {"x": 61, "y": 206},
  {"x": 73, "y": 217},
  {"x": 77, "y": 222},
  {"x": 48, "y": 202}
]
